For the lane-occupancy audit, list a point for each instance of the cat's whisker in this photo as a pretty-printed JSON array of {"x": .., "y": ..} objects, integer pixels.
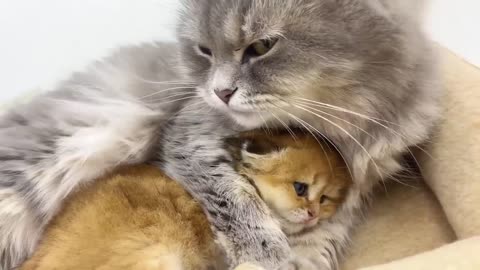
[
  {"x": 396, "y": 180},
  {"x": 186, "y": 108},
  {"x": 290, "y": 131},
  {"x": 337, "y": 108},
  {"x": 377, "y": 168},
  {"x": 173, "y": 96},
  {"x": 265, "y": 127},
  {"x": 371, "y": 119},
  {"x": 169, "y": 89},
  {"x": 179, "y": 99},
  {"x": 315, "y": 136},
  {"x": 162, "y": 82},
  {"x": 384, "y": 126},
  {"x": 392, "y": 177},
  {"x": 338, "y": 118}
]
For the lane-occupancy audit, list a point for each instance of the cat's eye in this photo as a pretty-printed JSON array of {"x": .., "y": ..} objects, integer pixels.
[
  {"x": 259, "y": 48},
  {"x": 301, "y": 189},
  {"x": 206, "y": 51}
]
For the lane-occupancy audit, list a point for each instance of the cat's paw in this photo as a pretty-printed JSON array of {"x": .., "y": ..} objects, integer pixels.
[
  {"x": 262, "y": 243},
  {"x": 299, "y": 263}
]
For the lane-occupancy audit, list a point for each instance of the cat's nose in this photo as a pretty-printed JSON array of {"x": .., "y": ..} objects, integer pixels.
[{"x": 225, "y": 95}]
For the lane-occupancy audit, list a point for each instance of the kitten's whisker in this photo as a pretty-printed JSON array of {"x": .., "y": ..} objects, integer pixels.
[
  {"x": 169, "y": 89},
  {"x": 349, "y": 135}
]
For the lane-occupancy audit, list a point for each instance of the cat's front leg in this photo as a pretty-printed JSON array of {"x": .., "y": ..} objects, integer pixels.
[{"x": 243, "y": 223}]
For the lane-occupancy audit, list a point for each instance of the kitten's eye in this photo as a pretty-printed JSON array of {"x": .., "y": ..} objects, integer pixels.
[
  {"x": 323, "y": 199},
  {"x": 301, "y": 189},
  {"x": 204, "y": 50},
  {"x": 259, "y": 48}
]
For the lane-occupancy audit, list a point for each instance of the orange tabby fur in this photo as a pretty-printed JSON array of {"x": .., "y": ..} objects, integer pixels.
[{"x": 138, "y": 219}]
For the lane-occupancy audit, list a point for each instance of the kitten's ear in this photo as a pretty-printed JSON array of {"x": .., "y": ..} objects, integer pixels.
[{"x": 253, "y": 147}]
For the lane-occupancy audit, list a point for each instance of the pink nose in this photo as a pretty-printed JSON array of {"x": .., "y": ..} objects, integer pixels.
[{"x": 225, "y": 95}]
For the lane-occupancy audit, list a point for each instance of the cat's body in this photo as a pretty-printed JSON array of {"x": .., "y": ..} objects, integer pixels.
[
  {"x": 139, "y": 219},
  {"x": 360, "y": 72}
]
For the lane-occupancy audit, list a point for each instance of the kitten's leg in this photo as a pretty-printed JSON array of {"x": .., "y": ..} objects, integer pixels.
[{"x": 241, "y": 220}]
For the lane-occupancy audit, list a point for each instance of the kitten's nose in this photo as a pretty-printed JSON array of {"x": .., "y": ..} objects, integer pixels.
[{"x": 226, "y": 94}]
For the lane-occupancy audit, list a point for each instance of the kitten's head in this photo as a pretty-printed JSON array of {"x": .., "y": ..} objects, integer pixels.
[
  {"x": 302, "y": 181},
  {"x": 250, "y": 57}
]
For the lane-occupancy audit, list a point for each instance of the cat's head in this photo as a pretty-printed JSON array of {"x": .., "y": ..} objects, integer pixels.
[
  {"x": 301, "y": 180},
  {"x": 249, "y": 58}
]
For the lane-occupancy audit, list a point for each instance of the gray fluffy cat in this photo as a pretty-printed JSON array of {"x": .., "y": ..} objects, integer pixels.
[{"x": 357, "y": 71}]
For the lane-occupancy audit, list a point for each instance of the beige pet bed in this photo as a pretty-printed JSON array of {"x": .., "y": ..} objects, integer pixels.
[{"x": 432, "y": 224}]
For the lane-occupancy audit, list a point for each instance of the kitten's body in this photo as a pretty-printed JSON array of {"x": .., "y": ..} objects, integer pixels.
[
  {"x": 360, "y": 72},
  {"x": 139, "y": 219},
  {"x": 136, "y": 219}
]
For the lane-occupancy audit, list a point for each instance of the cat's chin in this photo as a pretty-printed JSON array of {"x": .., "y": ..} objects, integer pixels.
[{"x": 247, "y": 120}]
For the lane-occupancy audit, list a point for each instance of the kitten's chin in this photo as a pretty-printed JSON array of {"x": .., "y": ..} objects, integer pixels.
[{"x": 292, "y": 228}]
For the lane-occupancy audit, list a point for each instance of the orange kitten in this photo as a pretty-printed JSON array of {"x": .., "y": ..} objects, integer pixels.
[
  {"x": 140, "y": 219},
  {"x": 303, "y": 180}
]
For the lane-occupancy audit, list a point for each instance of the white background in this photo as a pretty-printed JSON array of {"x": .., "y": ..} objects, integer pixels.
[{"x": 42, "y": 41}]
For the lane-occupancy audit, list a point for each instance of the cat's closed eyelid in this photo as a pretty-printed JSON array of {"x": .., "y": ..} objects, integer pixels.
[{"x": 203, "y": 51}]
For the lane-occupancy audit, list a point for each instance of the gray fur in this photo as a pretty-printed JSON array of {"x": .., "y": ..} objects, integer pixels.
[
  {"x": 368, "y": 62},
  {"x": 367, "y": 57},
  {"x": 66, "y": 138}
]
